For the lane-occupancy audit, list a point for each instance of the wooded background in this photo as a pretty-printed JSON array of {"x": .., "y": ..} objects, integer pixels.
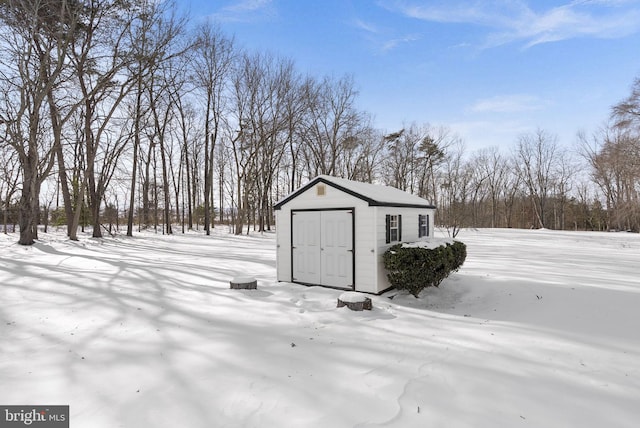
[{"x": 119, "y": 113}]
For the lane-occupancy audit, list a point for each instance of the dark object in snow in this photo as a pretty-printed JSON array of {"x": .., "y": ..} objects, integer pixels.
[
  {"x": 244, "y": 283},
  {"x": 354, "y": 301}
]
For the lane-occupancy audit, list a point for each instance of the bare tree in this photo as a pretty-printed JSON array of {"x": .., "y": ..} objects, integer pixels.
[
  {"x": 536, "y": 154},
  {"x": 414, "y": 155},
  {"x": 513, "y": 187},
  {"x": 626, "y": 152},
  {"x": 431, "y": 156},
  {"x": 271, "y": 122},
  {"x": 157, "y": 30},
  {"x": 363, "y": 154},
  {"x": 162, "y": 114},
  {"x": 212, "y": 64},
  {"x": 400, "y": 160},
  {"x": 9, "y": 180},
  {"x": 100, "y": 57},
  {"x": 186, "y": 132},
  {"x": 563, "y": 183},
  {"x": 613, "y": 155},
  {"x": 331, "y": 121},
  {"x": 36, "y": 38},
  {"x": 494, "y": 167},
  {"x": 261, "y": 85},
  {"x": 457, "y": 190},
  {"x": 296, "y": 109},
  {"x": 626, "y": 114}
]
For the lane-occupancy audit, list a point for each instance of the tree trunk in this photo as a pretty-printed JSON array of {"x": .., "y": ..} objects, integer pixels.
[
  {"x": 136, "y": 145},
  {"x": 165, "y": 186},
  {"x": 56, "y": 127},
  {"x": 28, "y": 209}
]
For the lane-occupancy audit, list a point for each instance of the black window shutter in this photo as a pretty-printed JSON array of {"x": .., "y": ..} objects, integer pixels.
[
  {"x": 420, "y": 216},
  {"x": 387, "y": 220},
  {"x": 427, "y": 225},
  {"x": 400, "y": 228}
]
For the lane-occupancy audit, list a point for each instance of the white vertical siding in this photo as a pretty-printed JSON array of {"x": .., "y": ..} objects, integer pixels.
[
  {"x": 365, "y": 244},
  {"x": 283, "y": 244}
]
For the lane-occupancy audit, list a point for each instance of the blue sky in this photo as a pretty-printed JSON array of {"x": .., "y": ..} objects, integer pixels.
[{"x": 488, "y": 70}]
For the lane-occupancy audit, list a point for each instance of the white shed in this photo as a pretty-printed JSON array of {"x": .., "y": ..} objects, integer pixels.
[{"x": 333, "y": 232}]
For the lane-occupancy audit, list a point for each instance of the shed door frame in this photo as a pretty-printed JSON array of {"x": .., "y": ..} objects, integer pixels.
[{"x": 353, "y": 249}]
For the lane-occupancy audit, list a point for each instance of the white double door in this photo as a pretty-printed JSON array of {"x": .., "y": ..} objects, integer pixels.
[{"x": 323, "y": 247}]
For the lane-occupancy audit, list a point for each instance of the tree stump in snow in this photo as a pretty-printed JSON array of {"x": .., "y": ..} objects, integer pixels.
[
  {"x": 354, "y": 301},
  {"x": 244, "y": 283}
]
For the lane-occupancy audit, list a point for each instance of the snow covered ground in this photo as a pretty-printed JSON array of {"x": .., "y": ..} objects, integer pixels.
[{"x": 538, "y": 329}]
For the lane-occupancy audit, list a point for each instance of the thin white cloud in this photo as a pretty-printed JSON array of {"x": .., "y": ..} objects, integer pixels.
[
  {"x": 516, "y": 21},
  {"x": 381, "y": 37},
  {"x": 246, "y": 11},
  {"x": 366, "y": 26},
  {"x": 482, "y": 134},
  {"x": 513, "y": 103},
  {"x": 248, "y": 5},
  {"x": 393, "y": 43},
  {"x": 486, "y": 13},
  {"x": 576, "y": 20}
]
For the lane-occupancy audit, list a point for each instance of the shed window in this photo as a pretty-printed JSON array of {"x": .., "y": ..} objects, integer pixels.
[
  {"x": 423, "y": 225},
  {"x": 321, "y": 190},
  {"x": 394, "y": 228}
]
